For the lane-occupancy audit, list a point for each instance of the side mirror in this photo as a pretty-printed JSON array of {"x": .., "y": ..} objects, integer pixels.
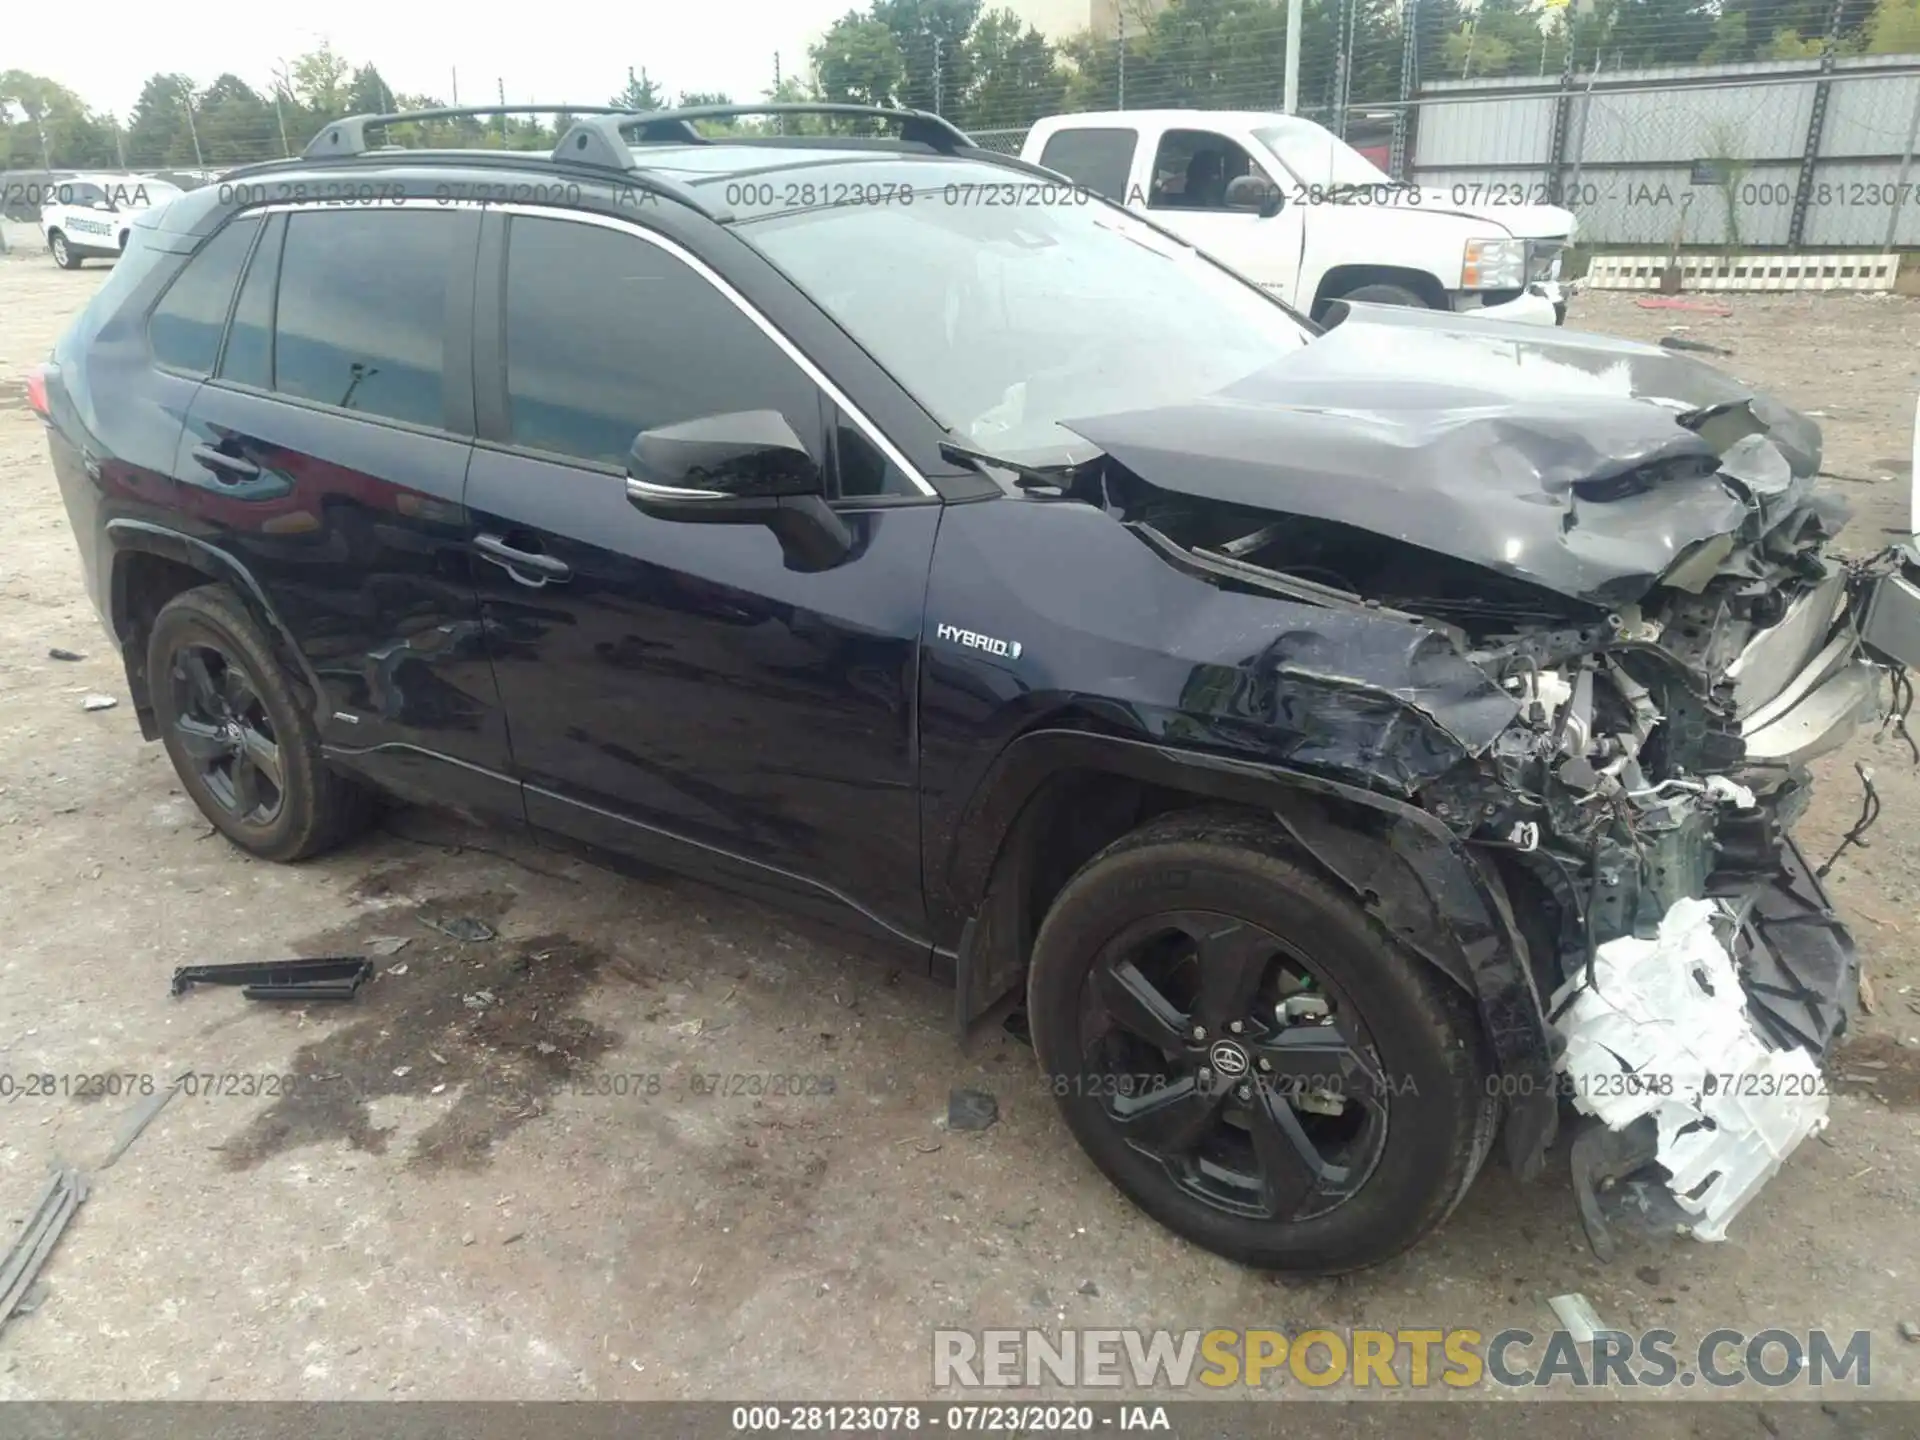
[
  {"x": 747, "y": 455},
  {"x": 1256, "y": 193},
  {"x": 745, "y": 468}
]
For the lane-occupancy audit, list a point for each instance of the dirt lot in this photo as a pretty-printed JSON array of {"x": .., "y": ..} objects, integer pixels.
[{"x": 495, "y": 1178}]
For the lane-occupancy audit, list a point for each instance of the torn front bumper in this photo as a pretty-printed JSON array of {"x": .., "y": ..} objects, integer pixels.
[{"x": 1700, "y": 1049}]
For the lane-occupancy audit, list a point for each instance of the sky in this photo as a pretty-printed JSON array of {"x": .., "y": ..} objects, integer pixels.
[{"x": 105, "y": 50}]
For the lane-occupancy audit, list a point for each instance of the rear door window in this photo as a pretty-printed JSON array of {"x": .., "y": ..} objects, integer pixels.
[
  {"x": 248, "y": 358},
  {"x": 1100, "y": 159},
  {"x": 361, "y": 321},
  {"x": 186, "y": 325}
]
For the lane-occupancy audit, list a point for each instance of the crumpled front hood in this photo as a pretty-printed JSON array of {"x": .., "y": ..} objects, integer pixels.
[{"x": 1557, "y": 458}]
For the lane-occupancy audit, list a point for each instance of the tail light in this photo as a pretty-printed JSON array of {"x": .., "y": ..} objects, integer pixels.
[{"x": 37, "y": 390}]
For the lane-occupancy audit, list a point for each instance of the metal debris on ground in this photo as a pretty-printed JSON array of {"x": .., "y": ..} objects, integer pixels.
[
  {"x": 463, "y": 928},
  {"x": 64, "y": 1192},
  {"x": 98, "y": 702},
  {"x": 1678, "y": 342},
  {"x": 1663, "y": 302},
  {"x": 332, "y": 978},
  {"x": 56, "y": 653},
  {"x": 1578, "y": 1317},
  {"x": 971, "y": 1110},
  {"x": 137, "y": 1120}
]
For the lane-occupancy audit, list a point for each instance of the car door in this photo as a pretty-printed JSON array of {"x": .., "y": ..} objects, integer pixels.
[
  {"x": 693, "y": 694},
  {"x": 327, "y": 453},
  {"x": 1185, "y": 190}
]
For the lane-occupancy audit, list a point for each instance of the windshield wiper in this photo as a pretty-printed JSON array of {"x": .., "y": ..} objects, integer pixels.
[{"x": 1057, "y": 479}]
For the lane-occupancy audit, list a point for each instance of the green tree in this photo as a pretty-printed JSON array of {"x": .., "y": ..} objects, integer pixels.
[
  {"x": 641, "y": 93},
  {"x": 321, "y": 81},
  {"x": 158, "y": 132},
  {"x": 367, "y": 93},
  {"x": 45, "y": 123},
  {"x": 1894, "y": 28},
  {"x": 1016, "y": 74},
  {"x": 858, "y": 62},
  {"x": 932, "y": 37},
  {"x": 792, "y": 90},
  {"x": 237, "y": 126},
  {"x": 1658, "y": 32}
]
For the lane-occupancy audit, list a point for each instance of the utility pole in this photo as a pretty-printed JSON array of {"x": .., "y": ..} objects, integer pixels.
[
  {"x": 779, "y": 121},
  {"x": 199, "y": 160},
  {"x": 455, "y": 73},
  {"x": 938, "y": 96},
  {"x": 1120, "y": 39},
  {"x": 1291, "y": 104},
  {"x": 1397, "y": 158},
  {"x": 281, "y": 115},
  {"x": 501, "y": 82}
]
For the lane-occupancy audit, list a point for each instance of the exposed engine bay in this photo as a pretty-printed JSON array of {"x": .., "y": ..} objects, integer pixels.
[{"x": 1631, "y": 546}]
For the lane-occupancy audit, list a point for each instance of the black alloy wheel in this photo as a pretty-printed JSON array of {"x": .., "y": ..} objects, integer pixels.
[
  {"x": 239, "y": 727},
  {"x": 1230, "y": 1058},
  {"x": 221, "y": 724},
  {"x": 1249, "y": 1055}
]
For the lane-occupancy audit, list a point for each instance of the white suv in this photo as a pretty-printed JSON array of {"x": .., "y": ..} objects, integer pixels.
[{"x": 92, "y": 214}]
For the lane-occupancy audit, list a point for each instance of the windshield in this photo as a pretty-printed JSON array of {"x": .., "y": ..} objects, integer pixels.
[
  {"x": 1004, "y": 321},
  {"x": 1319, "y": 157}
]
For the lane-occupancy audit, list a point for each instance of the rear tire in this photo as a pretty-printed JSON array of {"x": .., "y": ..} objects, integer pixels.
[
  {"x": 64, "y": 255},
  {"x": 1165, "y": 965},
  {"x": 241, "y": 740}
]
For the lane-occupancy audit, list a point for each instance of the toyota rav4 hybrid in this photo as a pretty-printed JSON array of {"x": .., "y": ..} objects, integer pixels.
[{"x": 1336, "y": 739}]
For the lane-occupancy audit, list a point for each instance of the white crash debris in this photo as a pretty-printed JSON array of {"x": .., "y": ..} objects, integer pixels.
[{"x": 1663, "y": 1031}]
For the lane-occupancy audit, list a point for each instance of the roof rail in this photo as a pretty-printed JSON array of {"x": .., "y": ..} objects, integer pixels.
[
  {"x": 349, "y": 136},
  {"x": 601, "y": 138}
]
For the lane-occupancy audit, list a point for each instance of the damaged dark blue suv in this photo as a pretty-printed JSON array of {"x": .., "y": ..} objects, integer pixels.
[{"x": 1336, "y": 739}]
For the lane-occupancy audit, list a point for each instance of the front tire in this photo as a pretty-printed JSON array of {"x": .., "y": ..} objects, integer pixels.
[
  {"x": 64, "y": 255},
  {"x": 241, "y": 741},
  {"x": 1387, "y": 295},
  {"x": 1238, "y": 1047}
]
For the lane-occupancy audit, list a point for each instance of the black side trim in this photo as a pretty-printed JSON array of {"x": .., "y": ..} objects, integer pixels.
[{"x": 779, "y": 888}]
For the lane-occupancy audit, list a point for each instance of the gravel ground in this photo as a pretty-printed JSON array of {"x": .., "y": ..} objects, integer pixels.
[{"x": 468, "y": 1205}]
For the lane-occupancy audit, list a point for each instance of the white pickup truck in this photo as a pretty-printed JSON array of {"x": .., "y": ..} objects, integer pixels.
[{"x": 1300, "y": 212}]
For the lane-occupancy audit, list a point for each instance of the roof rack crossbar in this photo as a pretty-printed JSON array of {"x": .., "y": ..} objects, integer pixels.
[
  {"x": 601, "y": 137},
  {"x": 348, "y": 136}
]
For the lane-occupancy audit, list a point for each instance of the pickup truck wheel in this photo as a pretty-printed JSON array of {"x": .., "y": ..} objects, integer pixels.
[
  {"x": 1386, "y": 295},
  {"x": 1238, "y": 1047},
  {"x": 241, "y": 741},
  {"x": 64, "y": 254}
]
